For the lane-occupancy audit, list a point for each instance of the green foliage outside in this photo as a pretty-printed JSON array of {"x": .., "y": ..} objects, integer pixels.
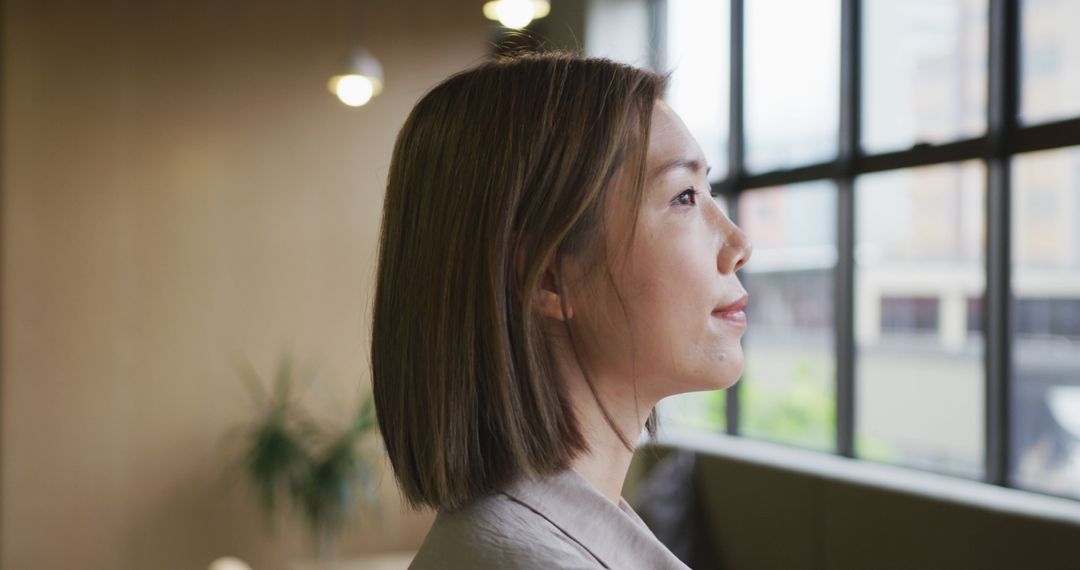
[{"x": 801, "y": 414}]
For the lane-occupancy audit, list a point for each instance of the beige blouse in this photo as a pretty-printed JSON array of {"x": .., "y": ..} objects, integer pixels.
[{"x": 560, "y": 521}]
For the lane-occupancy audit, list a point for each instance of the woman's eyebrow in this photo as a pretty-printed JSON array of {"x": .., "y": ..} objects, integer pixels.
[{"x": 692, "y": 164}]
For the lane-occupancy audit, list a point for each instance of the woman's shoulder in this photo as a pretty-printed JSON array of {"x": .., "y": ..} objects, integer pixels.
[
  {"x": 550, "y": 521},
  {"x": 498, "y": 531}
]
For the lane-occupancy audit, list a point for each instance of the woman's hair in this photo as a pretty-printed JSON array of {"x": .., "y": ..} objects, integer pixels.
[{"x": 497, "y": 172}]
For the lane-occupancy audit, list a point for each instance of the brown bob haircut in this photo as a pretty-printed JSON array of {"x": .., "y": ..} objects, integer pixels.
[{"x": 497, "y": 171}]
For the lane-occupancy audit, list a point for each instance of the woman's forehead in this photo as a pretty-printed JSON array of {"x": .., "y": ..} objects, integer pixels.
[
  {"x": 670, "y": 143},
  {"x": 669, "y": 139}
]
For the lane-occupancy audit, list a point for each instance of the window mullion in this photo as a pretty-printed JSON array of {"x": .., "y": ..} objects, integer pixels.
[
  {"x": 844, "y": 295},
  {"x": 1001, "y": 122},
  {"x": 736, "y": 168}
]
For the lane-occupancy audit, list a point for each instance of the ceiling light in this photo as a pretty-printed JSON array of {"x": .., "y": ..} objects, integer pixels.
[
  {"x": 360, "y": 80},
  {"x": 516, "y": 14}
]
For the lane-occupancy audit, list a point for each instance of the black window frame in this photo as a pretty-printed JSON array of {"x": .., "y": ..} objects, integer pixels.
[{"x": 1005, "y": 137}]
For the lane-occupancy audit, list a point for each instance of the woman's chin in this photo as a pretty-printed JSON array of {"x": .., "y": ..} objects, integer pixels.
[
  {"x": 719, "y": 381},
  {"x": 731, "y": 375},
  {"x": 729, "y": 371},
  {"x": 728, "y": 381}
]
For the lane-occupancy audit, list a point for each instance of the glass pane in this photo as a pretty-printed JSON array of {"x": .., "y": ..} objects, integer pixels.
[
  {"x": 1046, "y": 321},
  {"x": 705, "y": 411},
  {"x": 919, "y": 263},
  {"x": 697, "y": 53},
  {"x": 618, "y": 30},
  {"x": 923, "y": 72},
  {"x": 792, "y": 90},
  {"x": 1050, "y": 60},
  {"x": 788, "y": 390}
]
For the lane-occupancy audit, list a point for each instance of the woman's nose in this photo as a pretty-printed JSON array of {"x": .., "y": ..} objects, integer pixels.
[{"x": 735, "y": 250}]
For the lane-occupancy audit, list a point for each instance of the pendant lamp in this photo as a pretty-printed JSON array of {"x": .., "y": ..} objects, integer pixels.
[
  {"x": 516, "y": 14},
  {"x": 361, "y": 78}
]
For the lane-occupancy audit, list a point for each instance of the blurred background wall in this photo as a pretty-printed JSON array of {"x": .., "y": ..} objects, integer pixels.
[{"x": 181, "y": 194}]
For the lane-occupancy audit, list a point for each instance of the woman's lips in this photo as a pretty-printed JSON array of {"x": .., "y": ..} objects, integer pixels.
[
  {"x": 734, "y": 312},
  {"x": 733, "y": 317}
]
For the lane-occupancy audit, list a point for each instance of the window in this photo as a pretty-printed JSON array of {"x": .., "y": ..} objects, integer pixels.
[
  {"x": 787, "y": 392},
  {"x": 696, "y": 51},
  {"x": 909, "y": 315},
  {"x": 909, "y": 173},
  {"x": 1050, "y": 60},
  {"x": 792, "y": 82},
  {"x": 925, "y": 75},
  {"x": 1046, "y": 320},
  {"x": 918, "y": 258}
]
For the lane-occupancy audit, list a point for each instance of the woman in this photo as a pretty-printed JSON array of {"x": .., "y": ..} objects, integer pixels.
[{"x": 552, "y": 265}]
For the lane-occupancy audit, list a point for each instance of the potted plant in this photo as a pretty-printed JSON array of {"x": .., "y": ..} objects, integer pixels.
[{"x": 320, "y": 470}]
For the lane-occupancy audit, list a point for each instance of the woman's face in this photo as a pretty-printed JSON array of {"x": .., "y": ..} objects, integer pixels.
[{"x": 662, "y": 323}]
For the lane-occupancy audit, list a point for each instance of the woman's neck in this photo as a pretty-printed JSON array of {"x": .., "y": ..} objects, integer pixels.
[
  {"x": 607, "y": 460},
  {"x": 605, "y": 466}
]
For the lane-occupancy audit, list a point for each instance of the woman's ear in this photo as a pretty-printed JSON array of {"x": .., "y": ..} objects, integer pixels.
[{"x": 552, "y": 300}]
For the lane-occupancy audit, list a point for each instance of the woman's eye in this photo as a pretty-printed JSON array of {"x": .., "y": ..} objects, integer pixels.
[{"x": 687, "y": 197}]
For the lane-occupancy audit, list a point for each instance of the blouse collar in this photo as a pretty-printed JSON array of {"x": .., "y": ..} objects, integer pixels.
[{"x": 615, "y": 535}]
